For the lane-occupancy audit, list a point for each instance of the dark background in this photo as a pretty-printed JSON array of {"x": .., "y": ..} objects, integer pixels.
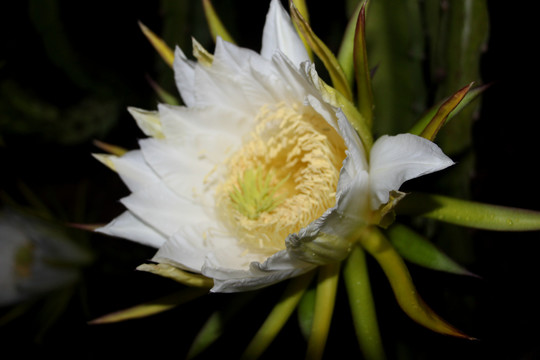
[{"x": 75, "y": 89}]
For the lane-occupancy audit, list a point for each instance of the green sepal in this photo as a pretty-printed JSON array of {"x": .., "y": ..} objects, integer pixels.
[
  {"x": 401, "y": 282},
  {"x": 214, "y": 23},
  {"x": 179, "y": 275},
  {"x": 325, "y": 298},
  {"x": 440, "y": 117},
  {"x": 339, "y": 80},
  {"x": 356, "y": 277},
  {"x": 209, "y": 333},
  {"x": 302, "y": 8},
  {"x": 305, "y": 311},
  {"x": 418, "y": 250},
  {"x": 345, "y": 54},
  {"x": 469, "y": 213},
  {"x": 361, "y": 69},
  {"x": 278, "y": 316},
  {"x": 216, "y": 324},
  {"x": 166, "y": 53},
  {"x": 471, "y": 95},
  {"x": 152, "y": 307},
  {"x": 163, "y": 95}
]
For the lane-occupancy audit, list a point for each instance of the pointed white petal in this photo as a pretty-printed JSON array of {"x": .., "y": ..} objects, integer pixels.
[
  {"x": 212, "y": 130},
  {"x": 298, "y": 86},
  {"x": 105, "y": 159},
  {"x": 279, "y": 34},
  {"x": 229, "y": 57},
  {"x": 396, "y": 159},
  {"x": 190, "y": 245},
  {"x": 134, "y": 170},
  {"x": 128, "y": 226},
  {"x": 219, "y": 88},
  {"x": 242, "y": 65},
  {"x": 148, "y": 121},
  {"x": 184, "y": 75},
  {"x": 182, "y": 170},
  {"x": 165, "y": 211}
]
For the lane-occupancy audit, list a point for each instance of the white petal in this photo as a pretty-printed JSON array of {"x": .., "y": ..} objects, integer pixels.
[
  {"x": 190, "y": 245},
  {"x": 134, "y": 170},
  {"x": 231, "y": 58},
  {"x": 353, "y": 171},
  {"x": 184, "y": 75},
  {"x": 297, "y": 85},
  {"x": 327, "y": 239},
  {"x": 353, "y": 202},
  {"x": 324, "y": 109},
  {"x": 148, "y": 121},
  {"x": 184, "y": 171},
  {"x": 165, "y": 211},
  {"x": 128, "y": 226},
  {"x": 355, "y": 149},
  {"x": 219, "y": 88},
  {"x": 243, "y": 66},
  {"x": 279, "y": 34},
  {"x": 277, "y": 268},
  {"x": 396, "y": 159},
  {"x": 198, "y": 128}
]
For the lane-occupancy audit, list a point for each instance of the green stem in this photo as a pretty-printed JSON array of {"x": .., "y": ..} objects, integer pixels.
[
  {"x": 355, "y": 273},
  {"x": 324, "y": 308},
  {"x": 278, "y": 317}
]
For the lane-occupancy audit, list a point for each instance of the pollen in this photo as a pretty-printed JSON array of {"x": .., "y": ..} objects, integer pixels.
[{"x": 283, "y": 177}]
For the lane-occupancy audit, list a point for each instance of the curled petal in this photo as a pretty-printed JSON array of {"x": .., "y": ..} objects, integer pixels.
[
  {"x": 276, "y": 268},
  {"x": 396, "y": 159}
]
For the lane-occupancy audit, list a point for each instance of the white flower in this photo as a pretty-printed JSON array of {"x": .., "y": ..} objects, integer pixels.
[{"x": 256, "y": 167}]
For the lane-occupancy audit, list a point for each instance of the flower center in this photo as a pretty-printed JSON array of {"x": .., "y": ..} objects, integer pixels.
[
  {"x": 283, "y": 177},
  {"x": 256, "y": 193}
]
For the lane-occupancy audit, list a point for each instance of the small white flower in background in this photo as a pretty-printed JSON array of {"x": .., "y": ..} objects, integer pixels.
[
  {"x": 257, "y": 179},
  {"x": 35, "y": 257}
]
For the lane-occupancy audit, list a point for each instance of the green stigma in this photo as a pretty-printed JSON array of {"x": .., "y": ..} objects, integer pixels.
[{"x": 255, "y": 193}]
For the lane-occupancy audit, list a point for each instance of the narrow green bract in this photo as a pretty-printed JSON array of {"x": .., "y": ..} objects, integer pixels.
[{"x": 469, "y": 213}]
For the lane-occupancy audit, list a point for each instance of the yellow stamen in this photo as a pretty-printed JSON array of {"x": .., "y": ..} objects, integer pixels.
[{"x": 283, "y": 177}]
